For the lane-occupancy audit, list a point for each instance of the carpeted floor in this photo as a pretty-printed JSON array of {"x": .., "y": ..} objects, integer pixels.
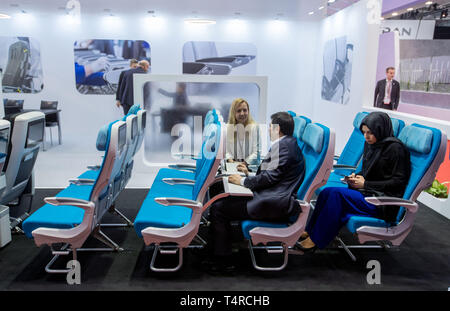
[{"x": 421, "y": 263}]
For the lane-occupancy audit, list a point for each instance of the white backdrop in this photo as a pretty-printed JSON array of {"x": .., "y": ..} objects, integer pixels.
[{"x": 285, "y": 53}]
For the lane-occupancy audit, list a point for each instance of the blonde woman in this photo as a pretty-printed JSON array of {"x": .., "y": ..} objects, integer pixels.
[{"x": 242, "y": 134}]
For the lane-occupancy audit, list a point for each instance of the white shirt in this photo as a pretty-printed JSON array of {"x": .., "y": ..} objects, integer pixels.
[
  {"x": 249, "y": 140},
  {"x": 387, "y": 96}
]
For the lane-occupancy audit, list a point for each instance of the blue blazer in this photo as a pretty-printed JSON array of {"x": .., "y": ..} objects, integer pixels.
[
  {"x": 276, "y": 182},
  {"x": 125, "y": 93}
]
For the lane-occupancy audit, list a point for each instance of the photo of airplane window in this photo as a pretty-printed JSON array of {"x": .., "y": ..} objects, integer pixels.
[
  {"x": 99, "y": 63},
  {"x": 178, "y": 110},
  {"x": 337, "y": 70},
  {"x": 219, "y": 58},
  {"x": 20, "y": 63}
]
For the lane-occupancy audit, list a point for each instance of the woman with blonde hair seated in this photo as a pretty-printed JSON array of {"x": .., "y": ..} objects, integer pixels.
[{"x": 242, "y": 134}]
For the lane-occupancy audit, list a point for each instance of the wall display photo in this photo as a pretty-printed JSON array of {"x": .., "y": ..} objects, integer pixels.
[
  {"x": 20, "y": 62},
  {"x": 176, "y": 112},
  {"x": 219, "y": 58},
  {"x": 98, "y": 63},
  {"x": 424, "y": 75},
  {"x": 425, "y": 65},
  {"x": 337, "y": 70}
]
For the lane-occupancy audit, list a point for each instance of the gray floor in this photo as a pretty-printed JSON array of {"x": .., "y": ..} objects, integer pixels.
[{"x": 421, "y": 263}]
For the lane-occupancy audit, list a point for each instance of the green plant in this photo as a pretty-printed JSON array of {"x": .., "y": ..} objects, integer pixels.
[{"x": 438, "y": 190}]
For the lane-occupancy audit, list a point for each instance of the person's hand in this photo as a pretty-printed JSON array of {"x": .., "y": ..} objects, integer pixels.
[
  {"x": 118, "y": 104},
  {"x": 235, "y": 179},
  {"x": 356, "y": 182},
  {"x": 241, "y": 167},
  {"x": 351, "y": 176}
]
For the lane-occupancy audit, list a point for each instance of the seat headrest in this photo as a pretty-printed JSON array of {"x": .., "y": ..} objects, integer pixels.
[
  {"x": 313, "y": 137},
  {"x": 396, "y": 126},
  {"x": 210, "y": 117},
  {"x": 299, "y": 128},
  {"x": 102, "y": 138},
  {"x": 417, "y": 138},
  {"x": 133, "y": 109},
  {"x": 358, "y": 119},
  {"x": 293, "y": 114}
]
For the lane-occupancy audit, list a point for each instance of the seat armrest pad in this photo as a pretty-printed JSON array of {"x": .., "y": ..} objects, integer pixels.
[
  {"x": 93, "y": 167},
  {"x": 82, "y": 181},
  {"x": 179, "y": 201},
  {"x": 57, "y": 201},
  {"x": 178, "y": 181},
  {"x": 393, "y": 201},
  {"x": 183, "y": 166},
  {"x": 343, "y": 167}
]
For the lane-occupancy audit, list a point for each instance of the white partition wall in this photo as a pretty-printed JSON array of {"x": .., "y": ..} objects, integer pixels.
[{"x": 353, "y": 24}]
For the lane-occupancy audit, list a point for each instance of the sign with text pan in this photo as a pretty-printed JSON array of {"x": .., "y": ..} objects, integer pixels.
[{"x": 410, "y": 29}]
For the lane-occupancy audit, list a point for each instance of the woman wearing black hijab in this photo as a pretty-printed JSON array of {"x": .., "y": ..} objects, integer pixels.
[{"x": 385, "y": 172}]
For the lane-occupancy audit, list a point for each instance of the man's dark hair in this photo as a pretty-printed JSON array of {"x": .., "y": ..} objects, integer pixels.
[
  {"x": 284, "y": 121},
  {"x": 389, "y": 68}
]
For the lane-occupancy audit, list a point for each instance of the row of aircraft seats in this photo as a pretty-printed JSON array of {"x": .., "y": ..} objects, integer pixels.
[
  {"x": 76, "y": 212},
  {"x": 172, "y": 212},
  {"x": 21, "y": 135}
]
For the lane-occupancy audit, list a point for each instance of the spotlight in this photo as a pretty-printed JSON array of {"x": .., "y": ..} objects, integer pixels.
[{"x": 444, "y": 13}]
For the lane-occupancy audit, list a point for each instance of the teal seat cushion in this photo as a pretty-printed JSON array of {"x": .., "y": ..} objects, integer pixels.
[
  {"x": 356, "y": 222},
  {"x": 59, "y": 217},
  {"x": 248, "y": 225},
  {"x": 90, "y": 174},
  {"x": 153, "y": 214}
]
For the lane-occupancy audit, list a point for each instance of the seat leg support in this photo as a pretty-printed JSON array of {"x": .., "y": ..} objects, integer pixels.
[
  {"x": 113, "y": 210},
  {"x": 346, "y": 248},
  {"x": 63, "y": 251},
  {"x": 155, "y": 253},
  {"x": 255, "y": 265},
  {"x": 102, "y": 237}
]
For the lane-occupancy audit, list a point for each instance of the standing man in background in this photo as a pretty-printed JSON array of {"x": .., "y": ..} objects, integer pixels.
[
  {"x": 133, "y": 65},
  {"x": 125, "y": 93},
  {"x": 387, "y": 91}
]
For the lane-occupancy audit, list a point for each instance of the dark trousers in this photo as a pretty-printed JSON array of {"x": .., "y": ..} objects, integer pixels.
[
  {"x": 125, "y": 108},
  {"x": 334, "y": 207},
  {"x": 221, "y": 213},
  {"x": 388, "y": 106}
]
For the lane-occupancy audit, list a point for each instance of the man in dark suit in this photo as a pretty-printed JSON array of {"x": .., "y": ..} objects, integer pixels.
[
  {"x": 387, "y": 91},
  {"x": 133, "y": 64},
  {"x": 125, "y": 93},
  {"x": 274, "y": 190}
]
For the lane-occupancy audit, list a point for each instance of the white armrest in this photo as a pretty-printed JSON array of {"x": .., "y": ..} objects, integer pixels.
[
  {"x": 57, "y": 201},
  {"x": 179, "y": 181},
  {"x": 179, "y": 201},
  {"x": 183, "y": 166},
  {"x": 393, "y": 201},
  {"x": 93, "y": 167},
  {"x": 82, "y": 181}
]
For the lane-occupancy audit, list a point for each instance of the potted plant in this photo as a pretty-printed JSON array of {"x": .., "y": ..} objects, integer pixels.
[{"x": 438, "y": 190}]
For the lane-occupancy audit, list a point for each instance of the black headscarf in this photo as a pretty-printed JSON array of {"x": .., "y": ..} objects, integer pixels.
[{"x": 380, "y": 124}]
